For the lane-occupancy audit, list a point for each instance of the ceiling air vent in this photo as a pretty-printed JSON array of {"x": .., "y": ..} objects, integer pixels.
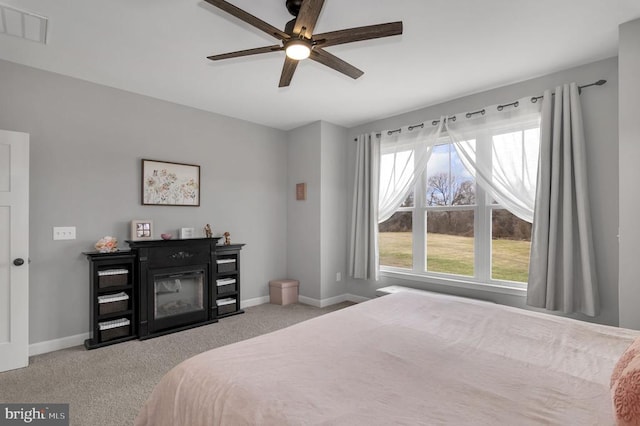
[{"x": 23, "y": 24}]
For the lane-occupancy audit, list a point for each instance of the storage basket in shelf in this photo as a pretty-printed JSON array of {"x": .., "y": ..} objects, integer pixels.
[
  {"x": 113, "y": 277},
  {"x": 226, "y": 306},
  {"x": 110, "y": 303},
  {"x": 226, "y": 265},
  {"x": 226, "y": 285},
  {"x": 113, "y": 329}
]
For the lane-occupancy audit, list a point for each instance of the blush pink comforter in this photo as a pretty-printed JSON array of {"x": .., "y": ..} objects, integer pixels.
[{"x": 407, "y": 359}]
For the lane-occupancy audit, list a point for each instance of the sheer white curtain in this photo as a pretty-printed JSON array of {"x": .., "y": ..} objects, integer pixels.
[
  {"x": 404, "y": 156},
  {"x": 562, "y": 274},
  {"x": 498, "y": 145},
  {"x": 379, "y": 189},
  {"x": 511, "y": 134}
]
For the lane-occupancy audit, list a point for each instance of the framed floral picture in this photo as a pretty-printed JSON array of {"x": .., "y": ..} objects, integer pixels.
[{"x": 170, "y": 184}]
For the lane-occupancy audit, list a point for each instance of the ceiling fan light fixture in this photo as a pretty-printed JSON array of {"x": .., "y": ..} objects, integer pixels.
[{"x": 298, "y": 49}]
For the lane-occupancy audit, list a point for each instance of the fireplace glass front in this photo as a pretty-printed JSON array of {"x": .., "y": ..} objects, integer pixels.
[{"x": 178, "y": 294}]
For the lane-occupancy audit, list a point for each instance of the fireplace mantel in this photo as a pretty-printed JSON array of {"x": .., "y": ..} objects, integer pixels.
[{"x": 194, "y": 264}]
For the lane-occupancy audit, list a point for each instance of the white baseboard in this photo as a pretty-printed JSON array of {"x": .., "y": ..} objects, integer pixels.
[
  {"x": 70, "y": 341},
  {"x": 57, "y": 344},
  {"x": 309, "y": 301},
  {"x": 254, "y": 302}
]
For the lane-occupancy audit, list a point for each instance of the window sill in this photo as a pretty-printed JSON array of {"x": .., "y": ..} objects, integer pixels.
[{"x": 512, "y": 290}]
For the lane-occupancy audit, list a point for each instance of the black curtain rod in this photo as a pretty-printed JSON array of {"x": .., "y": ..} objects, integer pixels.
[
  {"x": 597, "y": 83},
  {"x": 534, "y": 99}
]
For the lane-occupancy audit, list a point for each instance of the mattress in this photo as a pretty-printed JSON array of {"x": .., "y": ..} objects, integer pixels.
[{"x": 406, "y": 359}]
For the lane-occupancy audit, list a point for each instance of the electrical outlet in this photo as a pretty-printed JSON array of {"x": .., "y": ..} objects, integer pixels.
[
  {"x": 64, "y": 232},
  {"x": 338, "y": 276}
]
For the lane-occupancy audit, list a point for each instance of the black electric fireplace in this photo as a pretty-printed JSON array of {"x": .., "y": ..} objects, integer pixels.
[
  {"x": 178, "y": 297},
  {"x": 175, "y": 284}
]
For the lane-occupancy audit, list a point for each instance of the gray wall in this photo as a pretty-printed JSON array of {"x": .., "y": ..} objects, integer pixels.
[
  {"x": 333, "y": 226},
  {"x": 629, "y": 172},
  {"x": 86, "y": 144},
  {"x": 303, "y": 217},
  {"x": 316, "y": 227},
  {"x": 600, "y": 111}
]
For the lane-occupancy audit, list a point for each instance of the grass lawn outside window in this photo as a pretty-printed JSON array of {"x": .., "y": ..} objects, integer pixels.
[{"x": 454, "y": 255}]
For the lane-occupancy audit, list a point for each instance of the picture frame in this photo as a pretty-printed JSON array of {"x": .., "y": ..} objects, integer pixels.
[
  {"x": 186, "y": 233},
  {"x": 141, "y": 230},
  {"x": 166, "y": 183},
  {"x": 301, "y": 191}
]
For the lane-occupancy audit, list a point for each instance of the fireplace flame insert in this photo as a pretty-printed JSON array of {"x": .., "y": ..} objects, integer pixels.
[{"x": 178, "y": 298}]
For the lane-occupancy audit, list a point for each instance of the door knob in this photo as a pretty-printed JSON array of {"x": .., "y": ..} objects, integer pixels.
[{"x": 19, "y": 261}]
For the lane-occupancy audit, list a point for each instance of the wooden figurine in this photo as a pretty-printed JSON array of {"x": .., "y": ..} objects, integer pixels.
[
  {"x": 227, "y": 238},
  {"x": 207, "y": 231}
]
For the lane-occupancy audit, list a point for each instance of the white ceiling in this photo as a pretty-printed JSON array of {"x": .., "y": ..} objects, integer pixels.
[{"x": 449, "y": 48}]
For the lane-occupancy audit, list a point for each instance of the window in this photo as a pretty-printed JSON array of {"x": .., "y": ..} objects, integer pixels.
[
  {"x": 451, "y": 225},
  {"x": 510, "y": 246},
  {"x": 449, "y": 210},
  {"x": 395, "y": 240}
]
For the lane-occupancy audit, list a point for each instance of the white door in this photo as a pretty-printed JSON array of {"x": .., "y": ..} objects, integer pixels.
[{"x": 14, "y": 250}]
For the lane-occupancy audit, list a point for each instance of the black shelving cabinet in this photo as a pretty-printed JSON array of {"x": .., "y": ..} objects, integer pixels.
[
  {"x": 113, "y": 298},
  {"x": 226, "y": 271}
]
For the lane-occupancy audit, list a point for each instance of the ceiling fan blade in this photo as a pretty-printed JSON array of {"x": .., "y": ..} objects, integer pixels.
[
  {"x": 288, "y": 69},
  {"x": 249, "y": 19},
  {"x": 334, "y": 62},
  {"x": 358, "y": 34},
  {"x": 307, "y": 17},
  {"x": 257, "y": 50}
]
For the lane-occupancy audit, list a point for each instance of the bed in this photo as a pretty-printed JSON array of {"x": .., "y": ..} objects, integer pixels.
[{"x": 408, "y": 359}]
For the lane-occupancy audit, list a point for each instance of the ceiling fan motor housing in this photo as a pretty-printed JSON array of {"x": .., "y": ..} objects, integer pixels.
[{"x": 293, "y": 6}]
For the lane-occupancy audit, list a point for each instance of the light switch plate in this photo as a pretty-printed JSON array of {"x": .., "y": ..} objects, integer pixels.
[{"x": 64, "y": 232}]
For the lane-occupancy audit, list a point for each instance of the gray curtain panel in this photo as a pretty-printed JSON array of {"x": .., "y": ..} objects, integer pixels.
[
  {"x": 562, "y": 275},
  {"x": 363, "y": 253}
]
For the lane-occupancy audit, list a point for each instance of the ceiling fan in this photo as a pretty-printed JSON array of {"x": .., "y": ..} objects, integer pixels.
[{"x": 298, "y": 40}]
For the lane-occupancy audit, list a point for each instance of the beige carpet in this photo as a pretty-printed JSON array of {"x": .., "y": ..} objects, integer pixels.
[{"x": 107, "y": 386}]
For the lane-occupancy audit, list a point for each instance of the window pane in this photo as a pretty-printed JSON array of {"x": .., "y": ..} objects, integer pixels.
[
  {"x": 450, "y": 242},
  {"x": 515, "y": 160},
  {"x": 396, "y": 172},
  {"x": 448, "y": 181},
  {"x": 395, "y": 240},
  {"x": 408, "y": 202},
  {"x": 510, "y": 246}
]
